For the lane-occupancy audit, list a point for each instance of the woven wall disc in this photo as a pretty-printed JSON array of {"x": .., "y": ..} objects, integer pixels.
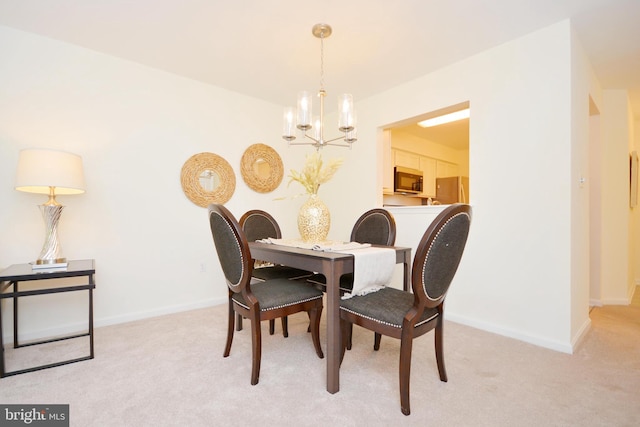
[
  {"x": 261, "y": 168},
  {"x": 207, "y": 178}
]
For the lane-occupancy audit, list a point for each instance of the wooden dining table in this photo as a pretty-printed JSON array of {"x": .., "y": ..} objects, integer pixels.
[{"x": 332, "y": 265}]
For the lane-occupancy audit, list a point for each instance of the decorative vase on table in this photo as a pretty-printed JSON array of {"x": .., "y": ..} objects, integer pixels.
[{"x": 314, "y": 220}]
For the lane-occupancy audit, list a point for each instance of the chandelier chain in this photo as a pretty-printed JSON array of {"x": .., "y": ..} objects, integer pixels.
[{"x": 321, "y": 61}]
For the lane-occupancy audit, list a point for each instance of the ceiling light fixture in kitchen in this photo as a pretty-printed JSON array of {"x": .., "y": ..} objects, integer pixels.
[
  {"x": 303, "y": 113},
  {"x": 447, "y": 118}
]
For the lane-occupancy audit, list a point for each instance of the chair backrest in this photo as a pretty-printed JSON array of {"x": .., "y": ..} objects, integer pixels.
[
  {"x": 231, "y": 246},
  {"x": 375, "y": 226},
  {"x": 258, "y": 224},
  {"x": 438, "y": 254}
]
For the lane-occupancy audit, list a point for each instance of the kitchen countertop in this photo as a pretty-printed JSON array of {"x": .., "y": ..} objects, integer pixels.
[{"x": 417, "y": 208}]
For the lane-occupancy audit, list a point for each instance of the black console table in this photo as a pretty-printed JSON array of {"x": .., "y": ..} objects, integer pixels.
[{"x": 9, "y": 288}]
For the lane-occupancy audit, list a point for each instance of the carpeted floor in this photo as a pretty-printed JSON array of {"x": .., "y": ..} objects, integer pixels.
[{"x": 169, "y": 371}]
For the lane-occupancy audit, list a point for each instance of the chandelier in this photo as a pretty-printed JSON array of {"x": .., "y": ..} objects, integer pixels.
[{"x": 313, "y": 127}]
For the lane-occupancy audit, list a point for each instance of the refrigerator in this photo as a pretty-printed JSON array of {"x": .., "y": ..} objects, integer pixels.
[{"x": 453, "y": 189}]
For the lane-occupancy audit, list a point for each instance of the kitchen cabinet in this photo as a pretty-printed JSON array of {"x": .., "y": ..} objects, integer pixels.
[
  {"x": 406, "y": 159},
  {"x": 428, "y": 168},
  {"x": 387, "y": 163},
  {"x": 446, "y": 169}
]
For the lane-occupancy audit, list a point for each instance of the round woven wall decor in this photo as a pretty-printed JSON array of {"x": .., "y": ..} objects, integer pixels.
[
  {"x": 205, "y": 168},
  {"x": 261, "y": 168}
]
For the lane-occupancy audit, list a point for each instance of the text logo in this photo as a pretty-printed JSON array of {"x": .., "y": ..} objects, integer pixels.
[{"x": 34, "y": 415}]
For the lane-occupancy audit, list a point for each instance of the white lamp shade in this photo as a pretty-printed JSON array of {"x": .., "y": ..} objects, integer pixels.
[{"x": 39, "y": 169}]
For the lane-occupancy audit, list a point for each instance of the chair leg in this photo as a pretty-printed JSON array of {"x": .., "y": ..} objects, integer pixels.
[
  {"x": 346, "y": 329},
  {"x": 256, "y": 342},
  {"x": 272, "y": 326},
  {"x": 239, "y": 322},
  {"x": 349, "y": 337},
  {"x": 440, "y": 351},
  {"x": 285, "y": 326},
  {"x": 406, "y": 342},
  {"x": 315, "y": 315},
  {"x": 230, "y": 327},
  {"x": 376, "y": 341}
]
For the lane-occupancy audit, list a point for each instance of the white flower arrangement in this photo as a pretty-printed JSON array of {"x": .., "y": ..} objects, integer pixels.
[{"x": 313, "y": 175}]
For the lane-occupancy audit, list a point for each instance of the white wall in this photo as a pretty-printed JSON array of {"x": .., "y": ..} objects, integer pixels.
[
  {"x": 518, "y": 259},
  {"x": 134, "y": 127},
  {"x": 616, "y": 282},
  {"x": 595, "y": 209},
  {"x": 581, "y": 85},
  {"x": 636, "y": 215}
]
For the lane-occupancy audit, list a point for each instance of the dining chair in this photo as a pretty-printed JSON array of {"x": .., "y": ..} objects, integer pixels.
[
  {"x": 260, "y": 301},
  {"x": 257, "y": 225},
  {"x": 403, "y": 315},
  {"x": 375, "y": 226}
]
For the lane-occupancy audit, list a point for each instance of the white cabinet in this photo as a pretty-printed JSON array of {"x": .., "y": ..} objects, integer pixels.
[
  {"x": 446, "y": 169},
  {"x": 387, "y": 160},
  {"x": 406, "y": 159},
  {"x": 428, "y": 168}
]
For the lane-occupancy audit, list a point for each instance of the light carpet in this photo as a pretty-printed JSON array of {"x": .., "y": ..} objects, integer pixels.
[{"x": 169, "y": 371}]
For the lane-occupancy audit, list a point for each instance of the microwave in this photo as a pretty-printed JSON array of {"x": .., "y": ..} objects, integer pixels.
[{"x": 407, "y": 180}]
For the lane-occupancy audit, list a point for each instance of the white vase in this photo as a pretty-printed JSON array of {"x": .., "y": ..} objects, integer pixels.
[{"x": 314, "y": 220}]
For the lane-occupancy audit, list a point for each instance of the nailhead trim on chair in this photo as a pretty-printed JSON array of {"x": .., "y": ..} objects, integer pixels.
[
  {"x": 424, "y": 265},
  {"x": 275, "y": 308},
  {"x": 239, "y": 251},
  {"x": 387, "y": 323}
]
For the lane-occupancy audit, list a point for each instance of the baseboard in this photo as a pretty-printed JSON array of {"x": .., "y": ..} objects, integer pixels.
[
  {"x": 80, "y": 327},
  {"x": 130, "y": 317},
  {"x": 616, "y": 301},
  {"x": 620, "y": 301},
  {"x": 510, "y": 333},
  {"x": 581, "y": 334}
]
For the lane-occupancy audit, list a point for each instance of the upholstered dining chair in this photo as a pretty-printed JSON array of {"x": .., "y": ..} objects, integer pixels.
[
  {"x": 257, "y": 225},
  {"x": 404, "y": 315},
  {"x": 260, "y": 301},
  {"x": 375, "y": 226}
]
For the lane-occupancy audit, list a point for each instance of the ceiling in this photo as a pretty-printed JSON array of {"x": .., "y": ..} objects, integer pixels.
[{"x": 265, "y": 49}]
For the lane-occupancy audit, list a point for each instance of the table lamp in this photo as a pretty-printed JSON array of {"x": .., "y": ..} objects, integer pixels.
[{"x": 54, "y": 173}]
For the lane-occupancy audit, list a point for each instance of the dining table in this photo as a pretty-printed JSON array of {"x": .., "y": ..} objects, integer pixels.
[{"x": 332, "y": 265}]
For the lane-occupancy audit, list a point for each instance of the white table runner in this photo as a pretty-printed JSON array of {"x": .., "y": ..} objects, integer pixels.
[{"x": 372, "y": 266}]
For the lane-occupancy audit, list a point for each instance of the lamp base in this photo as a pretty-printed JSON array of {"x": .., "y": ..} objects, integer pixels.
[
  {"x": 48, "y": 262},
  {"x": 51, "y": 251}
]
